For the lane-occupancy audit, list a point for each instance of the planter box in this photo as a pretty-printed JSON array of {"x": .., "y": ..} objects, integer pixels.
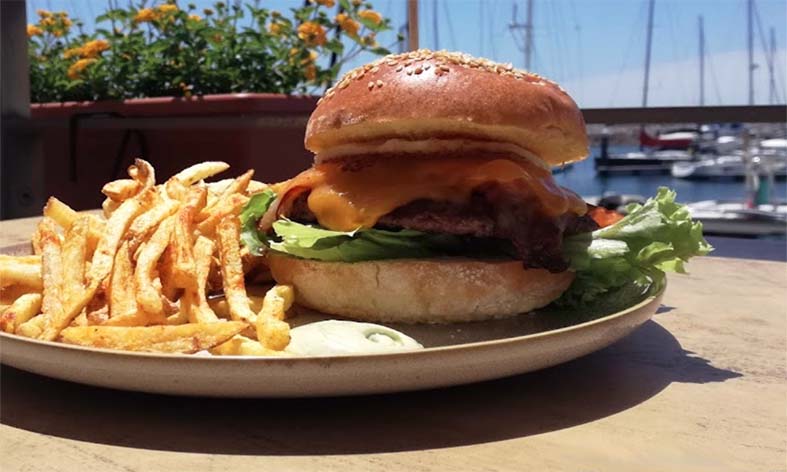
[{"x": 86, "y": 144}]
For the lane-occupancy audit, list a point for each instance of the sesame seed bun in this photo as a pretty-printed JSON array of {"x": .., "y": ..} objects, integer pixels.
[
  {"x": 447, "y": 97},
  {"x": 419, "y": 290}
]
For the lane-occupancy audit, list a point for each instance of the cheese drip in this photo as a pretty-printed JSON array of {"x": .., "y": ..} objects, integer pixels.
[{"x": 349, "y": 199}]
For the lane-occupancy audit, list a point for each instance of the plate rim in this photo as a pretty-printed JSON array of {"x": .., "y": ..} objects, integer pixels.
[{"x": 653, "y": 297}]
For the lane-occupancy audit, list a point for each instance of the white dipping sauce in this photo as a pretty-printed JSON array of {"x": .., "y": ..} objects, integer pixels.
[{"x": 335, "y": 337}]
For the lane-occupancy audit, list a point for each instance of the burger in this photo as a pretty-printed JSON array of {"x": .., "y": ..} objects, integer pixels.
[{"x": 431, "y": 197}]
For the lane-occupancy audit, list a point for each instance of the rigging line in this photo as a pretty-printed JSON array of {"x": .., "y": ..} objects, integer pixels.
[
  {"x": 765, "y": 49},
  {"x": 673, "y": 44},
  {"x": 709, "y": 59},
  {"x": 450, "y": 25},
  {"x": 634, "y": 27}
]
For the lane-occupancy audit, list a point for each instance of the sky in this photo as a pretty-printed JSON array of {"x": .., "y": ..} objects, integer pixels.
[{"x": 594, "y": 48}]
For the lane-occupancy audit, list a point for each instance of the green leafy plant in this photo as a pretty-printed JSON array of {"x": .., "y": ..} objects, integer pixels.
[{"x": 166, "y": 50}]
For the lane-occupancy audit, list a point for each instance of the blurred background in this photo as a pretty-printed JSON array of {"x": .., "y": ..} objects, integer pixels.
[{"x": 688, "y": 94}]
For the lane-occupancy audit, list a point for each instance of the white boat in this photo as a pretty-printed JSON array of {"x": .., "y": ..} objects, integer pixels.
[
  {"x": 731, "y": 218},
  {"x": 730, "y": 166}
]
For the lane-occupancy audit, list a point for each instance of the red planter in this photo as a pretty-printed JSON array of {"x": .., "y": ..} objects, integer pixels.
[{"x": 87, "y": 144}]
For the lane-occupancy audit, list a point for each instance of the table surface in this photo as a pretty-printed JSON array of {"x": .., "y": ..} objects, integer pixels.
[{"x": 703, "y": 386}]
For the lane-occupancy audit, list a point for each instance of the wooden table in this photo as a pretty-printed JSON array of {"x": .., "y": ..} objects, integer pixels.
[{"x": 701, "y": 387}]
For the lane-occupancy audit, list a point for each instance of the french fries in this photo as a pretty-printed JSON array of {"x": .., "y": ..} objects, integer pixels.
[
  {"x": 24, "y": 271},
  {"x": 24, "y": 308},
  {"x": 139, "y": 278},
  {"x": 187, "y": 338},
  {"x": 148, "y": 294},
  {"x": 232, "y": 270},
  {"x": 272, "y": 331}
]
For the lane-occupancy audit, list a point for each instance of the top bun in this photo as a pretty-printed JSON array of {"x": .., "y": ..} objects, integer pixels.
[{"x": 426, "y": 95}]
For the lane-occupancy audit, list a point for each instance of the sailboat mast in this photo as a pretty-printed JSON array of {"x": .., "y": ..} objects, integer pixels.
[
  {"x": 702, "y": 61},
  {"x": 750, "y": 14},
  {"x": 647, "y": 53},
  {"x": 772, "y": 83},
  {"x": 412, "y": 25}
]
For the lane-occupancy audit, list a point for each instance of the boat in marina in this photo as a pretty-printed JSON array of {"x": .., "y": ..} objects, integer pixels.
[
  {"x": 769, "y": 157},
  {"x": 734, "y": 218},
  {"x": 659, "y": 161}
]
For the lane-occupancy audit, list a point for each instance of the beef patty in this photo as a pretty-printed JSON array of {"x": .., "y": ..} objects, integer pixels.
[{"x": 493, "y": 211}]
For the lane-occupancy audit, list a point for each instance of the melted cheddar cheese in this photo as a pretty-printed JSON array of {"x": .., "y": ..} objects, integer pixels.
[{"x": 345, "y": 200}]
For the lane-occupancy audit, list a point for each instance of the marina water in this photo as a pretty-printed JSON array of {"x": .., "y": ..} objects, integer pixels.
[{"x": 582, "y": 178}]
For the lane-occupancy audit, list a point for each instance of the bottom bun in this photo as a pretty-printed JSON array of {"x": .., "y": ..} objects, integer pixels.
[{"x": 419, "y": 290}]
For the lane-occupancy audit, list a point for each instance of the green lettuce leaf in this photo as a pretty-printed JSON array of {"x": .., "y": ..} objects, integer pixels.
[
  {"x": 312, "y": 242},
  {"x": 253, "y": 239},
  {"x": 631, "y": 257}
]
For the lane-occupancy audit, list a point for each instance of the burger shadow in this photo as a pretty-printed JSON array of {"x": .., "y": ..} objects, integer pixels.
[{"x": 590, "y": 388}]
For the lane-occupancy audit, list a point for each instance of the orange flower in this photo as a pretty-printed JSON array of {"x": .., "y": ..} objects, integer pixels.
[
  {"x": 310, "y": 72},
  {"x": 371, "y": 15},
  {"x": 48, "y": 21},
  {"x": 78, "y": 67},
  {"x": 33, "y": 30},
  {"x": 145, "y": 15},
  {"x": 312, "y": 34},
  {"x": 275, "y": 29},
  {"x": 325, "y": 3},
  {"x": 73, "y": 52},
  {"x": 92, "y": 49},
  {"x": 194, "y": 17},
  {"x": 167, "y": 8},
  {"x": 347, "y": 24},
  {"x": 43, "y": 13}
]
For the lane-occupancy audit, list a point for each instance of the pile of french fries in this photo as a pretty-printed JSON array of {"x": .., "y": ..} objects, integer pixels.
[{"x": 139, "y": 278}]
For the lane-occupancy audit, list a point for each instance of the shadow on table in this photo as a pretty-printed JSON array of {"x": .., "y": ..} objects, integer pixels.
[{"x": 587, "y": 389}]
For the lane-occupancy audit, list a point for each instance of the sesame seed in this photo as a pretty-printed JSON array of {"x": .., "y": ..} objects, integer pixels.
[
  {"x": 409, "y": 71},
  {"x": 399, "y": 69},
  {"x": 370, "y": 85},
  {"x": 379, "y": 84},
  {"x": 427, "y": 66},
  {"x": 419, "y": 69},
  {"x": 375, "y": 70}
]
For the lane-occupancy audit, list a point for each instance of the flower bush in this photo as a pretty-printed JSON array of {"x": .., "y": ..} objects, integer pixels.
[{"x": 166, "y": 50}]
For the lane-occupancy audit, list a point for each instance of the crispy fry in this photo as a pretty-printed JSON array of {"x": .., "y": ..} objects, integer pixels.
[
  {"x": 236, "y": 186},
  {"x": 201, "y": 171},
  {"x": 65, "y": 216},
  {"x": 232, "y": 270},
  {"x": 143, "y": 172},
  {"x": 182, "y": 241},
  {"x": 122, "y": 288},
  {"x": 272, "y": 331},
  {"x": 33, "y": 327},
  {"x": 240, "y": 345},
  {"x": 21, "y": 270},
  {"x": 24, "y": 308},
  {"x": 232, "y": 205},
  {"x": 187, "y": 338},
  {"x": 9, "y": 294},
  {"x": 121, "y": 189},
  {"x": 148, "y": 295},
  {"x": 51, "y": 270},
  {"x": 147, "y": 222},
  {"x": 165, "y": 271},
  {"x": 256, "y": 186},
  {"x": 195, "y": 300},
  {"x": 116, "y": 228},
  {"x": 75, "y": 255}
]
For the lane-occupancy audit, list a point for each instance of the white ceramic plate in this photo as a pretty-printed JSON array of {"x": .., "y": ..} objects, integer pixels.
[{"x": 455, "y": 354}]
